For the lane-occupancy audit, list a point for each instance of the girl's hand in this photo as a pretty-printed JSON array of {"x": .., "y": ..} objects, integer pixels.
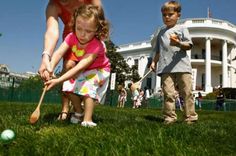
[{"x": 51, "y": 83}]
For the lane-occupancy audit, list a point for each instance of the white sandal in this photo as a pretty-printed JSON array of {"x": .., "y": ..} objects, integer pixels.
[
  {"x": 88, "y": 124},
  {"x": 76, "y": 118}
]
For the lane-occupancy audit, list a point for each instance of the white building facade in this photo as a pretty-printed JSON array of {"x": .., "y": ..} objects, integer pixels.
[
  {"x": 12, "y": 79},
  {"x": 213, "y": 56}
]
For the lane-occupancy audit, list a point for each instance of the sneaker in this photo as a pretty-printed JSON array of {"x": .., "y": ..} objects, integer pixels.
[
  {"x": 76, "y": 118},
  {"x": 191, "y": 118},
  {"x": 191, "y": 122},
  {"x": 88, "y": 124},
  {"x": 168, "y": 122}
]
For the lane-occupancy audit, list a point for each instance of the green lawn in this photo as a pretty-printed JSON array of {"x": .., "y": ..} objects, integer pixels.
[{"x": 122, "y": 132}]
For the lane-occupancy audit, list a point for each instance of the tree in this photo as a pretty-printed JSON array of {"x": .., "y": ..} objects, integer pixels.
[
  {"x": 35, "y": 84},
  {"x": 119, "y": 65}
]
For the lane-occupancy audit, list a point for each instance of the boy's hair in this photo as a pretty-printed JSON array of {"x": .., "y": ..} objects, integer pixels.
[
  {"x": 92, "y": 11},
  {"x": 171, "y": 5}
]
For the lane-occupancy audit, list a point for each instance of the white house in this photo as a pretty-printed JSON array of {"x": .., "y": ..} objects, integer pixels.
[
  {"x": 213, "y": 56},
  {"x": 12, "y": 79}
]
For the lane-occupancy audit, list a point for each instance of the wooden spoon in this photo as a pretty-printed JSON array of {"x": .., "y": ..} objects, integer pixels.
[{"x": 35, "y": 115}]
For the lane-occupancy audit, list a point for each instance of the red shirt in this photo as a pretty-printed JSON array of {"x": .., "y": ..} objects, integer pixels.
[{"x": 66, "y": 16}]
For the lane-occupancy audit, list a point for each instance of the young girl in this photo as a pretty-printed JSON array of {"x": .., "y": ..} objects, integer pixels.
[
  {"x": 57, "y": 10},
  {"x": 89, "y": 77},
  {"x": 122, "y": 96},
  {"x": 139, "y": 99},
  {"x": 135, "y": 93}
]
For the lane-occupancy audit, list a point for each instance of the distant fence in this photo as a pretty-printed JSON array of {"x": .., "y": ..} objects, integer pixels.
[
  {"x": 111, "y": 99},
  {"x": 28, "y": 96}
]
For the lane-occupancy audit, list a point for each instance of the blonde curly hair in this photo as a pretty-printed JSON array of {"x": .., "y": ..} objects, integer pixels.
[{"x": 92, "y": 11}]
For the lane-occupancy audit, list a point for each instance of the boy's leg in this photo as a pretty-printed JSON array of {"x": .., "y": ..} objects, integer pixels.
[
  {"x": 185, "y": 84},
  {"x": 169, "y": 98}
]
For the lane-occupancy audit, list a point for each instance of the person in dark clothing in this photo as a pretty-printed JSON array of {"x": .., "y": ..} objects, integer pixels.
[{"x": 220, "y": 100}]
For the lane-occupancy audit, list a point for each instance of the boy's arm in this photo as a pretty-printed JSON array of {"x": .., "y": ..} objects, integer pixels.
[
  {"x": 154, "y": 61},
  {"x": 184, "y": 46},
  {"x": 175, "y": 41}
]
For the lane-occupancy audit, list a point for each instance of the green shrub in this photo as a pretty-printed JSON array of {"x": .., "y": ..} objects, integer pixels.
[{"x": 210, "y": 96}]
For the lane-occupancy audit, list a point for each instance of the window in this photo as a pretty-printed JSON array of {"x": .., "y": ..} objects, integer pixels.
[
  {"x": 221, "y": 79},
  {"x": 220, "y": 59},
  {"x": 149, "y": 62},
  {"x": 136, "y": 62},
  {"x": 203, "y": 54},
  {"x": 149, "y": 82},
  {"x": 203, "y": 80}
]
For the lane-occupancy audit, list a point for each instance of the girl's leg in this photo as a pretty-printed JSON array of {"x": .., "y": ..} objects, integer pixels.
[
  {"x": 123, "y": 102},
  {"x": 67, "y": 65},
  {"x": 88, "y": 112},
  {"x": 89, "y": 107}
]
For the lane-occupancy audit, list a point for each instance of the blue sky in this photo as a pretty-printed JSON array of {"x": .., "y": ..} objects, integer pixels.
[{"x": 22, "y": 24}]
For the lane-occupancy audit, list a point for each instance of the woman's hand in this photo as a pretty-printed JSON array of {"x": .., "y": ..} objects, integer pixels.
[{"x": 45, "y": 69}]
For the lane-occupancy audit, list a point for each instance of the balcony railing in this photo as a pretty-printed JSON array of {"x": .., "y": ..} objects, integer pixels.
[{"x": 199, "y": 56}]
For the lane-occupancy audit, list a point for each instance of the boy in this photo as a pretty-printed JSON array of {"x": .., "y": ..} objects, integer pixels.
[{"x": 174, "y": 65}]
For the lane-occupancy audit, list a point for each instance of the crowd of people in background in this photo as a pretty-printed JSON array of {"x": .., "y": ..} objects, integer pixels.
[{"x": 140, "y": 98}]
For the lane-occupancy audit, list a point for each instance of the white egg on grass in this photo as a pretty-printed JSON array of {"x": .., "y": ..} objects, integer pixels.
[{"x": 7, "y": 136}]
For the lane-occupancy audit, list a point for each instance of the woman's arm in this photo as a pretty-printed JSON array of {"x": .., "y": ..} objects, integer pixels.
[
  {"x": 52, "y": 30},
  {"x": 51, "y": 37},
  {"x": 97, "y": 3}
]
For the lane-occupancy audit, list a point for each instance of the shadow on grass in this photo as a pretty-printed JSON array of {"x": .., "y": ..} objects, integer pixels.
[
  {"x": 154, "y": 118},
  {"x": 50, "y": 118}
]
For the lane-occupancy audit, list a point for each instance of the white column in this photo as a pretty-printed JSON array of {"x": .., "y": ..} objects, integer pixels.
[
  {"x": 130, "y": 61},
  {"x": 158, "y": 83},
  {"x": 142, "y": 65},
  {"x": 233, "y": 70},
  {"x": 208, "y": 87},
  {"x": 224, "y": 64}
]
